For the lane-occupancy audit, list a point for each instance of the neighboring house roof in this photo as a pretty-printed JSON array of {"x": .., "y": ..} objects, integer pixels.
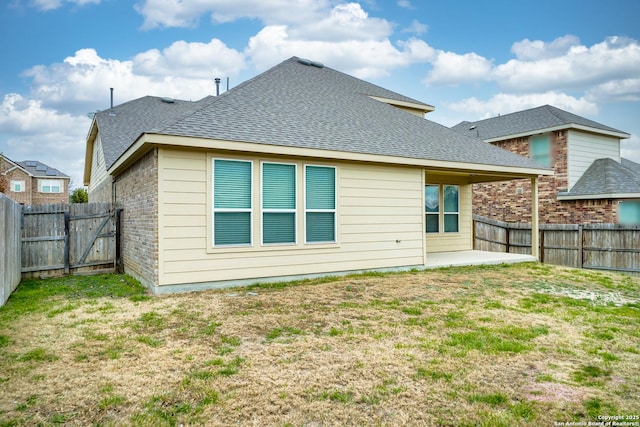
[
  {"x": 35, "y": 168},
  {"x": 630, "y": 165},
  {"x": 528, "y": 122},
  {"x": 40, "y": 170},
  {"x": 606, "y": 178},
  {"x": 304, "y": 105}
]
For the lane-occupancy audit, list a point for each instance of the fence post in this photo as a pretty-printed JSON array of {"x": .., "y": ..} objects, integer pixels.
[
  {"x": 66, "y": 242},
  {"x": 507, "y": 230},
  {"x": 118, "y": 224},
  {"x": 542, "y": 245},
  {"x": 473, "y": 226},
  {"x": 580, "y": 246}
]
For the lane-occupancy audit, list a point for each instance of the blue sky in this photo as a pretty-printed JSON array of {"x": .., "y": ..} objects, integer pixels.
[{"x": 469, "y": 59}]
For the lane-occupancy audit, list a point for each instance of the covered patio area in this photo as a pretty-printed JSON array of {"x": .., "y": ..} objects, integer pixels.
[{"x": 473, "y": 257}]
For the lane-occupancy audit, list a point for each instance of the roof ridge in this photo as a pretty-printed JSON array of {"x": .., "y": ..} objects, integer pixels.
[{"x": 173, "y": 120}]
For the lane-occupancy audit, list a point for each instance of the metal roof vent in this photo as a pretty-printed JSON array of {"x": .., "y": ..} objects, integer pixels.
[
  {"x": 308, "y": 62},
  {"x": 167, "y": 100}
]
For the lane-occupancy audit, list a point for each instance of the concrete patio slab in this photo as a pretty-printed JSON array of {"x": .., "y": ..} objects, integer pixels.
[{"x": 451, "y": 259}]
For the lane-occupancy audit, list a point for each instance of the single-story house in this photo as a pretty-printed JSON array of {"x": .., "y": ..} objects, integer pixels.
[
  {"x": 300, "y": 171},
  {"x": 592, "y": 182},
  {"x": 31, "y": 182}
]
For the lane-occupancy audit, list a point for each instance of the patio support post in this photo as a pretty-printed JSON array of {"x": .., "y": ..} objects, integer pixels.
[{"x": 535, "y": 232}]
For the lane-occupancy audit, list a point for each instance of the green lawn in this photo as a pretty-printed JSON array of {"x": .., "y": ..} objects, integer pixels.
[{"x": 525, "y": 344}]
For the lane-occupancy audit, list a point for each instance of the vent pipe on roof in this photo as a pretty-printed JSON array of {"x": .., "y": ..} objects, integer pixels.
[
  {"x": 111, "y": 89},
  {"x": 217, "y": 80}
]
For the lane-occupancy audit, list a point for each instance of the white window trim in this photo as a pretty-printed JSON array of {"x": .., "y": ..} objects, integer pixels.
[
  {"x": 21, "y": 183},
  {"x": 49, "y": 183},
  {"x": 263, "y": 210},
  {"x": 222, "y": 210},
  {"x": 335, "y": 205},
  {"x": 441, "y": 212},
  {"x": 437, "y": 214},
  {"x": 451, "y": 212}
]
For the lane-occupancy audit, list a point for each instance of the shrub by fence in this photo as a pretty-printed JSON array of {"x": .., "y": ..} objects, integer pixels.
[
  {"x": 594, "y": 246},
  {"x": 10, "y": 257}
]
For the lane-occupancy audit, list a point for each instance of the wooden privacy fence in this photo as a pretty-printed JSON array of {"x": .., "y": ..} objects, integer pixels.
[
  {"x": 69, "y": 238},
  {"x": 594, "y": 246},
  {"x": 10, "y": 264}
]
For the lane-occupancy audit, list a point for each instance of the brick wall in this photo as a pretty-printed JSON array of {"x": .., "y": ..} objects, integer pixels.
[
  {"x": 137, "y": 193},
  {"x": 23, "y": 197},
  {"x": 511, "y": 200},
  {"x": 38, "y": 198}
]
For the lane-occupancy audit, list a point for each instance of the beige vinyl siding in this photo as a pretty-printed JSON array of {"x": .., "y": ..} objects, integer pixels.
[
  {"x": 379, "y": 223},
  {"x": 585, "y": 148},
  {"x": 463, "y": 240},
  {"x": 98, "y": 166}
]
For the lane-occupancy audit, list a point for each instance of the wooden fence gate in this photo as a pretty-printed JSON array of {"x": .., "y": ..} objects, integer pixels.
[{"x": 66, "y": 238}]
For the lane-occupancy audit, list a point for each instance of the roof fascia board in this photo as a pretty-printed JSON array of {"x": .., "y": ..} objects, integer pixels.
[
  {"x": 147, "y": 140},
  {"x": 620, "y": 135},
  {"x": 425, "y": 108},
  {"x": 566, "y": 196},
  {"x": 88, "y": 152},
  {"x": 15, "y": 166}
]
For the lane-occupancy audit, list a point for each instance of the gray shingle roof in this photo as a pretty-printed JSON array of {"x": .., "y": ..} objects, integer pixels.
[
  {"x": 606, "y": 176},
  {"x": 527, "y": 121},
  {"x": 40, "y": 170},
  {"x": 630, "y": 165},
  {"x": 300, "y": 105},
  {"x": 121, "y": 125}
]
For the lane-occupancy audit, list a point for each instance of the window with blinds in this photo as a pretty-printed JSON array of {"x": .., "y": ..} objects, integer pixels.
[
  {"x": 320, "y": 204},
  {"x": 278, "y": 203},
  {"x": 629, "y": 212},
  {"x": 232, "y": 202},
  {"x": 540, "y": 148}
]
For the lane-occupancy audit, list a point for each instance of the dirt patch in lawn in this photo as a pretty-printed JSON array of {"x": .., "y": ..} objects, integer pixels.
[{"x": 464, "y": 346}]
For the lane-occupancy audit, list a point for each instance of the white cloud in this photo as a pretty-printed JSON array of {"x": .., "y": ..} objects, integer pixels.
[
  {"x": 184, "y": 71},
  {"x": 406, "y": 4},
  {"x": 186, "y": 13},
  {"x": 416, "y": 28},
  {"x": 502, "y": 103},
  {"x": 190, "y": 60},
  {"x": 451, "y": 68},
  {"x": 527, "y": 50},
  {"x": 361, "y": 58},
  {"x": 630, "y": 148},
  {"x": 581, "y": 67},
  {"x": 625, "y": 90},
  {"x": 32, "y": 127},
  {"x": 26, "y": 116},
  {"x": 45, "y": 5},
  {"x": 344, "y": 22}
]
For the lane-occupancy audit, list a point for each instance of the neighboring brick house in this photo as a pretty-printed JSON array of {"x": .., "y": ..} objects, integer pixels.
[
  {"x": 31, "y": 182},
  {"x": 591, "y": 184}
]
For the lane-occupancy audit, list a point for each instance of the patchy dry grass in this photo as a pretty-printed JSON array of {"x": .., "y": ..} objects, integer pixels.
[{"x": 503, "y": 345}]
